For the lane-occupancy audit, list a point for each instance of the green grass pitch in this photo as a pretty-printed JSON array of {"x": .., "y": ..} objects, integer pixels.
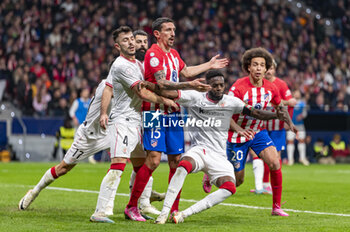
[{"x": 319, "y": 196}]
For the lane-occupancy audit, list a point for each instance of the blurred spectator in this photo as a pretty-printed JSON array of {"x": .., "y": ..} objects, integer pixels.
[
  {"x": 80, "y": 107},
  {"x": 299, "y": 114},
  {"x": 40, "y": 102},
  {"x": 339, "y": 150},
  {"x": 4, "y": 76},
  {"x": 321, "y": 153},
  {"x": 310, "y": 149}
]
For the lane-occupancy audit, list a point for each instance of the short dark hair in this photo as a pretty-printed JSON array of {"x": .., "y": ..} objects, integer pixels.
[
  {"x": 213, "y": 73},
  {"x": 157, "y": 24},
  {"x": 140, "y": 32},
  {"x": 119, "y": 30},
  {"x": 253, "y": 53}
]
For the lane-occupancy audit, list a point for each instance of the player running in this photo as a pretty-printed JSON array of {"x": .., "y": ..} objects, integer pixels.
[
  {"x": 208, "y": 151},
  {"x": 276, "y": 131},
  {"x": 163, "y": 65},
  {"x": 258, "y": 92}
]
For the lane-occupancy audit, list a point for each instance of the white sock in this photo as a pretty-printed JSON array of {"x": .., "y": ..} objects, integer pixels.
[
  {"x": 258, "y": 169},
  {"x": 44, "y": 182},
  {"x": 302, "y": 151},
  {"x": 290, "y": 152},
  {"x": 146, "y": 194},
  {"x": 109, "y": 185},
  {"x": 132, "y": 180},
  {"x": 174, "y": 188},
  {"x": 209, "y": 201}
]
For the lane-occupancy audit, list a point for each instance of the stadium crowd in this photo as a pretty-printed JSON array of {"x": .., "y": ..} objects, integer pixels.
[{"x": 51, "y": 50}]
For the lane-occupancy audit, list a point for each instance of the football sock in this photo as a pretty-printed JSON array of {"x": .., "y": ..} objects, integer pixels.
[
  {"x": 209, "y": 201},
  {"x": 175, "y": 206},
  {"x": 141, "y": 180},
  {"x": 266, "y": 178},
  {"x": 174, "y": 188},
  {"x": 302, "y": 151},
  {"x": 290, "y": 152},
  {"x": 258, "y": 169},
  {"x": 108, "y": 188},
  {"x": 49, "y": 176},
  {"x": 276, "y": 184},
  {"x": 146, "y": 194}
]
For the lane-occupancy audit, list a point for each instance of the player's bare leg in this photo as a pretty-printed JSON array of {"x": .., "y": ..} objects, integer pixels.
[
  {"x": 109, "y": 186},
  {"x": 50, "y": 176},
  {"x": 226, "y": 189},
  {"x": 173, "y": 161},
  {"x": 271, "y": 158},
  {"x": 239, "y": 177},
  {"x": 186, "y": 166},
  {"x": 142, "y": 177}
]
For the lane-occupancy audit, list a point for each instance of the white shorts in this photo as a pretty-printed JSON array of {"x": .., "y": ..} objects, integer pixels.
[
  {"x": 124, "y": 140},
  {"x": 301, "y": 133},
  {"x": 83, "y": 147},
  {"x": 211, "y": 162}
]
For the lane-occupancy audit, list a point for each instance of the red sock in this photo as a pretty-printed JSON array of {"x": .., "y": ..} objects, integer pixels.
[
  {"x": 266, "y": 177},
  {"x": 175, "y": 206},
  {"x": 141, "y": 179},
  {"x": 276, "y": 184},
  {"x": 53, "y": 172}
]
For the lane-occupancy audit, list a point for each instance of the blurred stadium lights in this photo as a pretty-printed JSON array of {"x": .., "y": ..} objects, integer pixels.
[
  {"x": 27, "y": 155},
  {"x": 308, "y": 11},
  {"x": 43, "y": 135},
  {"x": 299, "y": 5},
  {"x": 12, "y": 114},
  {"x": 318, "y": 16},
  {"x": 3, "y": 107}
]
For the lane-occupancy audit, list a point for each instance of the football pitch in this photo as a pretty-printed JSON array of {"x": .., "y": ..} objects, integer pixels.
[{"x": 316, "y": 197}]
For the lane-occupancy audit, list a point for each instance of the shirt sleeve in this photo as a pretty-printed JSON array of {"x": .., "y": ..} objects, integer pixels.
[
  {"x": 186, "y": 97},
  {"x": 127, "y": 76},
  {"x": 285, "y": 92},
  {"x": 234, "y": 91},
  {"x": 236, "y": 104},
  {"x": 276, "y": 98},
  {"x": 154, "y": 63}
]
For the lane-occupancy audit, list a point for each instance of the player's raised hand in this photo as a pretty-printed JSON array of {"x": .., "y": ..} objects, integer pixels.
[
  {"x": 216, "y": 63},
  {"x": 104, "y": 121},
  {"x": 248, "y": 133},
  {"x": 199, "y": 86},
  {"x": 170, "y": 103}
]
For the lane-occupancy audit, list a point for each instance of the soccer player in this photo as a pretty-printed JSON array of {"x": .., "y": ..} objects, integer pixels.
[
  {"x": 276, "y": 131},
  {"x": 258, "y": 92},
  {"x": 300, "y": 112},
  {"x": 163, "y": 65},
  {"x": 208, "y": 151}
]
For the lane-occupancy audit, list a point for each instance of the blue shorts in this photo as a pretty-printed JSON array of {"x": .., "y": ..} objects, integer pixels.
[
  {"x": 279, "y": 139},
  {"x": 237, "y": 152},
  {"x": 167, "y": 136}
]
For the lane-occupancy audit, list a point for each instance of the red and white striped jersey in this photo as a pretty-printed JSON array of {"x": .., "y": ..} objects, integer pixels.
[
  {"x": 282, "y": 87},
  {"x": 257, "y": 97},
  {"x": 155, "y": 60}
]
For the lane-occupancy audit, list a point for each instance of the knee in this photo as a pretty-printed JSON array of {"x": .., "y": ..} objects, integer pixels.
[
  {"x": 275, "y": 165},
  {"x": 239, "y": 181}
]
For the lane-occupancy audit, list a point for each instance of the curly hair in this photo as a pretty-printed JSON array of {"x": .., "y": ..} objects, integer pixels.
[{"x": 253, "y": 53}]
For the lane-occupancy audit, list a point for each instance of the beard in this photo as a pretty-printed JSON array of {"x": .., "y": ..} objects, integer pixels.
[{"x": 140, "y": 54}]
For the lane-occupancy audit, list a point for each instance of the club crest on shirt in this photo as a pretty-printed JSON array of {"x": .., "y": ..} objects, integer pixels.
[
  {"x": 154, "y": 62},
  {"x": 154, "y": 142}
]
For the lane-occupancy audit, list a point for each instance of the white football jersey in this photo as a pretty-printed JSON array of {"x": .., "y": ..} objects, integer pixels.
[
  {"x": 208, "y": 121},
  {"x": 123, "y": 76},
  {"x": 91, "y": 125}
]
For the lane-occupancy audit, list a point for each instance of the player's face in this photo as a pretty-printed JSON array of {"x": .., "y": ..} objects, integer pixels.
[
  {"x": 141, "y": 46},
  {"x": 217, "y": 87},
  {"x": 167, "y": 34},
  {"x": 257, "y": 68},
  {"x": 126, "y": 44},
  {"x": 270, "y": 73}
]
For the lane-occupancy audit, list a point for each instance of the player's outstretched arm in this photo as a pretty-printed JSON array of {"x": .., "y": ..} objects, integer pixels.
[
  {"x": 149, "y": 96},
  {"x": 214, "y": 63},
  {"x": 106, "y": 99},
  {"x": 164, "y": 84},
  {"x": 282, "y": 114},
  {"x": 247, "y": 133},
  {"x": 259, "y": 114}
]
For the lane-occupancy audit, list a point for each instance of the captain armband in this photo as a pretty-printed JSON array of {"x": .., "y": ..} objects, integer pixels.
[{"x": 247, "y": 109}]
